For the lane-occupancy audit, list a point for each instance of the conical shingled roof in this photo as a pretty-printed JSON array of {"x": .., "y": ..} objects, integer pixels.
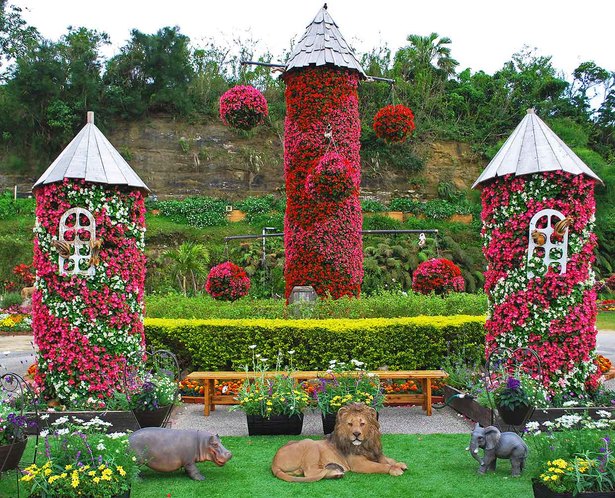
[
  {"x": 534, "y": 148},
  {"x": 91, "y": 156},
  {"x": 321, "y": 44}
]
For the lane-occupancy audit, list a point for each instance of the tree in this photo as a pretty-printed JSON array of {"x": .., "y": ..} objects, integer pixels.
[
  {"x": 188, "y": 265},
  {"x": 16, "y": 37}
]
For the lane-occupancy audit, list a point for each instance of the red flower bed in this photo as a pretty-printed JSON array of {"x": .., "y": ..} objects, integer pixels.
[
  {"x": 243, "y": 107},
  {"x": 394, "y": 123},
  {"x": 437, "y": 275},
  {"x": 227, "y": 282},
  {"x": 322, "y": 226}
]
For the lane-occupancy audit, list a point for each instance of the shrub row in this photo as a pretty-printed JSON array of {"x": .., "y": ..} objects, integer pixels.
[
  {"x": 422, "y": 342},
  {"x": 383, "y": 305}
]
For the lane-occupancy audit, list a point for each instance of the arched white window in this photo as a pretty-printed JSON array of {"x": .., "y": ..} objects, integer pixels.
[
  {"x": 548, "y": 240},
  {"x": 77, "y": 230}
]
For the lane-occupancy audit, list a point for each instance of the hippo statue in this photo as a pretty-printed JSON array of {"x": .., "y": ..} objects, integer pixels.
[{"x": 166, "y": 450}]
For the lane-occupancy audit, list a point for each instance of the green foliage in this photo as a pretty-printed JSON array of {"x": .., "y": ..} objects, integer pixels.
[
  {"x": 380, "y": 222},
  {"x": 10, "y": 299},
  {"x": 10, "y": 207},
  {"x": 188, "y": 265},
  {"x": 13, "y": 251},
  {"x": 372, "y": 206},
  {"x": 399, "y": 343},
  {"x": 385, "y": 304},
  {"x": 184, "y": 145},
  {"x": 256, "y": 206},
  {"x": 196, "y": 211}
]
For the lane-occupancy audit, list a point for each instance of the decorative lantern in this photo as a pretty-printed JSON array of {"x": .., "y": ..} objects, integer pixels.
[
  {"x": 87, "y": 309},
  {"x": 243, "y": 107},
  {"x": 538, "y": 217}
]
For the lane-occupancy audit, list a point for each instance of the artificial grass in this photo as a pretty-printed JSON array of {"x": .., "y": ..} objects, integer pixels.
[
  {"x": 439, "y": 467},
  {"x": 606, "y": 320}
]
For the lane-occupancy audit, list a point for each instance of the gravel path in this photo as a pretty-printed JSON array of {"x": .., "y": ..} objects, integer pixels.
[{"x": 393, "y": 420}]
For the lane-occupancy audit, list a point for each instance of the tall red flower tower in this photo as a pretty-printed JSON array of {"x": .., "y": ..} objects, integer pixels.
[
  {"x": 538, "y": 218},
  {"x": 90, "y": 270},
  {"x": 322, "y": 224}
]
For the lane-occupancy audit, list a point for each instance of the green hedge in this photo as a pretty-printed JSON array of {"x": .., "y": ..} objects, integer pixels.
[
  {"x": 383, "y": 305},
  {"x": 398, "y": 343}
]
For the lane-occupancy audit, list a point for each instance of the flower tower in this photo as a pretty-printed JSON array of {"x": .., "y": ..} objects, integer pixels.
[
  {"x": 322, "y": 224},
  {"x": 87, "y": 309},
  {"x": 538, "y": 218}
]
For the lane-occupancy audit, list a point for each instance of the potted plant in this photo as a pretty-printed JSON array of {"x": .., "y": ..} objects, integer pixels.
[
  {"x": 243, "y": 107},
  {"x": 516, "y": 398},
  {"x": 344, "y": 384},
  {"x": 573, "y": 457},
  {"x": 80, "y": 460},
  {"x": 394, "y": 123},
  {"x": 13, "y": 435},
  {"x": 273, "y": 404},
  {"x": 153, "y": 400}
]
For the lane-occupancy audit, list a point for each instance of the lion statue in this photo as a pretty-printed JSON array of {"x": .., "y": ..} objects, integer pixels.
[{"x": 353, "y": 446}]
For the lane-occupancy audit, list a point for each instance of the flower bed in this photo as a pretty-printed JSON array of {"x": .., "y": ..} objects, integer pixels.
[{"x": 13, "y": 322}]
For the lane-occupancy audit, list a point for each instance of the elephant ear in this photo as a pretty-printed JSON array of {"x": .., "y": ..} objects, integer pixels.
[{"x": 492, "y": 437}]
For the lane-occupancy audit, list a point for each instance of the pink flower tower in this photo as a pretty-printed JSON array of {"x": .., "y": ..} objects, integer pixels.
[
  {"x": 322, "y": 224},
  {"x": 538, "y": 219},
  {"x": 90, "y": 270}
]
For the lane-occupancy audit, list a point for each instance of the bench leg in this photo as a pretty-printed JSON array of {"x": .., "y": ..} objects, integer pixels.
[
  {"x": 428, "y": 395},
  {"x": 212, "y": 390},
  {"x": 207, "y": 397}
]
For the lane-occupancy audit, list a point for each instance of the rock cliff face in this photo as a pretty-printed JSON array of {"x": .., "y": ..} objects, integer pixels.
[{"x": 178, "y": 159}]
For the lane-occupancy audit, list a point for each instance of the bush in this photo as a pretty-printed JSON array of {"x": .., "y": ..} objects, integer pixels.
[
  {"x": 386, "y": 304},
  {"x": 10, "y": 207},
  {"x": 228, "y": 282},
  {"x": 437, "y": 275},
  {"x": 10, "y": 299},
  {"x": 399, "y": 343},
  {"x": 372, "y": 206},
  {"x": 196, "y": 211},
  {"x": 255, "y": 206}
]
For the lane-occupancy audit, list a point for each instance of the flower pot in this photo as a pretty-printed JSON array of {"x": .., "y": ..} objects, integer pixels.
[
  {"x": 152, "y": 418},
  {"x": 276, "y": 425},
  {"x": 541, "y": 491},
  {"x": 517, "y": 416},
  {"x": 10, "y": 454}
]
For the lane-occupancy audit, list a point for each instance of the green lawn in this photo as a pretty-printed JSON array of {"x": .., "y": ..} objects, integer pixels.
[
  {"x": 439, "y": 467},
  {"x": 606, "y": 321}
]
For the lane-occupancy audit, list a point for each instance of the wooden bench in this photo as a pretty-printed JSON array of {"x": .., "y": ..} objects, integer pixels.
[{"x": 207, "y": 379}]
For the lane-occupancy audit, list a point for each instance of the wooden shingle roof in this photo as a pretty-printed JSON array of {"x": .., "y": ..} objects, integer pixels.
[
  {"x": 534, "y": 148},
  {"x": 322, "y": 44},
  {"x": 90, "y": 156}
]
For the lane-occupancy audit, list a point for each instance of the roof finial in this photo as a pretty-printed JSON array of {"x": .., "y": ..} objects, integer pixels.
[
  {"x": 325, "y": 6},
  {"x": 90, "y": 117},
  {"x": 531, "y": 110}
]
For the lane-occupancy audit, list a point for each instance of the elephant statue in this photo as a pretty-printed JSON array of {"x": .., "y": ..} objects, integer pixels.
[{"x": 497, "y": 444}]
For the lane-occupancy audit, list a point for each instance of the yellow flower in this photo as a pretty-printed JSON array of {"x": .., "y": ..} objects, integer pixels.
[
  {"x": 96, "y": 480},
  {"x": 121, "y": 470},
  {"x": 52, "y": 479},
  {"x": 47, "y": 472},
  {"x": 69, "y": 466}
]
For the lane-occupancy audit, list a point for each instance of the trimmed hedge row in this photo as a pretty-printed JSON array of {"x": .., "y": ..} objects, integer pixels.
[{"x": 398, "y": 343}]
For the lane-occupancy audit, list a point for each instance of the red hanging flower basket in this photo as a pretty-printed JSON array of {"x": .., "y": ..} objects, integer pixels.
[
  {"x": 243, "y": 107},
  {"x": 227, "y": 282},
  {"x": 437, "y": 275},
  {"x": 394, "y": 123},
  {"x": 332, "y": 178}
]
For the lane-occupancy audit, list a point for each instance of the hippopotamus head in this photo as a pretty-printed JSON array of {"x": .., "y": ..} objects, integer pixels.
[{"x": 211, "y": 449}]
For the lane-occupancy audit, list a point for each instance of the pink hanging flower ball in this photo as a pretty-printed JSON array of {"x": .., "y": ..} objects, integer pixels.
[
  {"x": 332, "y": 178},
  {"x": 243, "y": 107},
  {"x": 227, "y": 282},
  {"x": 394, "y": 123},
  {"x": 437, "y": 275}
]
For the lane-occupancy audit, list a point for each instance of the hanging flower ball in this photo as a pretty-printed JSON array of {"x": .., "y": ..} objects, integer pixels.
[
  {"x": 243, "y": 107},
  {"x": 332, "y": 178},
  {"x": 227, "y": 282},
  {"x": 394, "y": 123},
  {"x": 437, "y": 275}
]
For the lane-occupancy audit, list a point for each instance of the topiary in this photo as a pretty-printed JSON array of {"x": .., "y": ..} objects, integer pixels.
[
  {"x": 437, "y": 275},
  {"x": 227, "y": 282}
]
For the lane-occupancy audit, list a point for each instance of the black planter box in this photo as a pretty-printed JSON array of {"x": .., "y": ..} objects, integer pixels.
[
  {"x": 10, "y": 454},
  {"x": 121, "y": 420},
  {"x": 153, "y": 418},
  {"x": 541, "y": 491},
  {"x": 274, "y": 426},
  {"x": 471, "y": 409}
]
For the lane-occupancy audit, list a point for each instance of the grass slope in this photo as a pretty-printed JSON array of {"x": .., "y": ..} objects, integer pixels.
[{"x": 439, "y": 467}]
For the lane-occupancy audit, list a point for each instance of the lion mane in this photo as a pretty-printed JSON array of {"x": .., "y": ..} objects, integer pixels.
[{"x": 355, "y": 445}]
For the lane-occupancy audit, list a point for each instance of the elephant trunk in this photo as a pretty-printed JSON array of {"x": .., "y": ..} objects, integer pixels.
[{"x": 474, "y": 452}]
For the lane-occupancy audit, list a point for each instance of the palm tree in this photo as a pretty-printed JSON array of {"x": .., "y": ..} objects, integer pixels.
[
  {"x": 430, "y": 53},
  {"x": 189, "y": 260}
]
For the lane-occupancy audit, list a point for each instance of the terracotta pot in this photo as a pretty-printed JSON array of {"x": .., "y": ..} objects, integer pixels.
[
  {"x": 276, "y": 425},
  {"x": 152, "y": 418},
  {"x": 10, "y": 454}
]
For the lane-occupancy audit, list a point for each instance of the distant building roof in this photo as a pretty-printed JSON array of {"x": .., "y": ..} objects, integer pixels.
[
  {"x": 322, "y": 44},
  {"x": 534, "y": 148},
  {"x": 92, "y": 157}
]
